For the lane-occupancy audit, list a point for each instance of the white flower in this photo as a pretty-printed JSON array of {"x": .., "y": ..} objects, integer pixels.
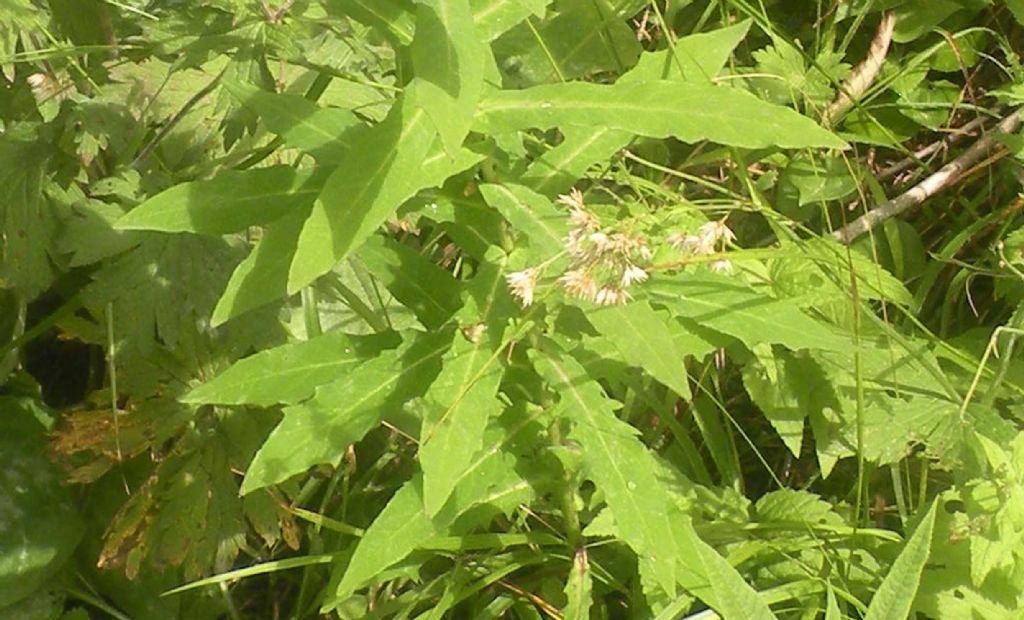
[
  {"x": 522, "y": 284},
  {"x": 632, "y": 274},
  {"x": 720, "y": 266},
  {"x": 610, "y": 296},
  {"x": 579, "y": 283},
  {"x": 713, "y": 232},
  {"x": 573, "y": 200}
]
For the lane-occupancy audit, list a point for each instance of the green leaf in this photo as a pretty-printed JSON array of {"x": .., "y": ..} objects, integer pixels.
[
  {"x": 403, "y": 526},
  {"x": 263, "y": 276},
  {"x": 558, "y": 168},
  {"x": 229, "y": 202},
  {"x": 694, "y": 58},
  {"x": 495, "y": 17},
  {"x": 659, "y": 109},
  {"x": 301, "y": 123},
  {"x": 619, "y": 464},
  {"x": 397, "y": 531},
  {"x": 579, "y": 588},
  {"x": 386, "y": 165},
  {"x": 697, "y": 56},
  {"x": 27, "y": 225},
  {"x": 322, "y": 428},
  {"x": 289, "y": 373},
  {"x": 731, "y": 307},
  {"x": 581, "y": 39},
  {"x": 449, "y": 58},
  {"x": 429, "y": 291},
  {"x": 895, "y": 597},
  {"x": 40, "y": 525},
  {"x": 463, "y": 397},
  {"x": 395, "y": 19},
  {"x": 644, "y": 338},
  {"x": 542, "y": 224},
  {"x": 1017, "y": 8},
  {"x": 727, "y": 592}
]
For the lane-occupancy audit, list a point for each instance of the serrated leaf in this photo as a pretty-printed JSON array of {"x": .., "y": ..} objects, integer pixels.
[
  {"x": 694, "y": 58},
  {"x": 395, "y": 19},
  {"x": 619, "y": 464},
  {"x": 403, "y": 526},
  {"x": 301, "y": 123},
  {"x": 262, "y": 277},
  {"x": 423, "y": 287},
  {"x": 657, "y": 109},
  {"x": 726, "y": 592},
  {"x": 697, "y": 56},
  {"x": 449, "y": 59},
  {"x": 542, "y": 224},
  {"x": 733, "y": 308},
  {"x": 386, "y": 165},
  {"x": 341, "y": 412},
  {"x": 644, "y": 338},
  {"x": 289, "y": 373},
  {"x": 895, "y": 597},
  {"x": 557, "y": 169},
  {"x": 463, "y": 398},
  {"x": 27, "y": 223},
  {"x": 229, "y": 202}
]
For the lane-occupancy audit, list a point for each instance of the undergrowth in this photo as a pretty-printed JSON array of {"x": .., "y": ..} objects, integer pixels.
[{"x": 511, "y": 309}]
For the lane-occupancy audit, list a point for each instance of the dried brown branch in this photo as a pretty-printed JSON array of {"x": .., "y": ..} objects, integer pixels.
[
  {"x": 865, "y": 73},
  {"x": 948, "y": 175}
]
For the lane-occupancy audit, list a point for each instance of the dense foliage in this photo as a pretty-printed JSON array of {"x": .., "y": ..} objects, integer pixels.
[{"x": 511, "y": 309}]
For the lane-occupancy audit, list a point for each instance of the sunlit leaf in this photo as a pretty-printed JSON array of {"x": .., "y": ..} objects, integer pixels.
[
  {"x": 895, "y": 597},
  {"x": 644, "y": 337},
  {"x": 618, "y": 463},
  {"x": 289, "y": 373},
  {"x": 385, "y": 166},
  {"x": 463, "y": 398},
  {"x": 659, "y": 109},
  {"x": 449, "y": 59},
  {"x": 229, "y": 202},
  {"x": 341, "y": 412}
]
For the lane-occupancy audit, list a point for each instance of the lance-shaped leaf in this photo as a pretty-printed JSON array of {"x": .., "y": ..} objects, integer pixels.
[
  {"x": 404, "y": 526},
  {"x": 658, "y": 109},
  {"x": 895, "y": 597},
  {"x": 290, "y": 373},
  {"x": 463, "y": 398},
  {"x": 263, "y": 276},
  {"x": 301, "y": 123},
  {"x": 694, "y": 58},
  {"x": 449, "y": 58},
  {"x": 386, "y": 166},
  {"x": 542, "y": 224},
  {"x": 423, "y": 287},
  {"x": 321, "y": 429},
  {"x": 645, "y": 339},
  {"x": 618, "y": 463},
  {"x": 729, "y": 306},
  {"x": 231, "y": 201},
  {"x": 709, "y": 576}
]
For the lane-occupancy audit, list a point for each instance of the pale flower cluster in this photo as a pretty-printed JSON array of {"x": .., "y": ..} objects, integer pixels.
[
  {"x": 603, "y": 263},
  {"x": 710, "y": 238}
]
